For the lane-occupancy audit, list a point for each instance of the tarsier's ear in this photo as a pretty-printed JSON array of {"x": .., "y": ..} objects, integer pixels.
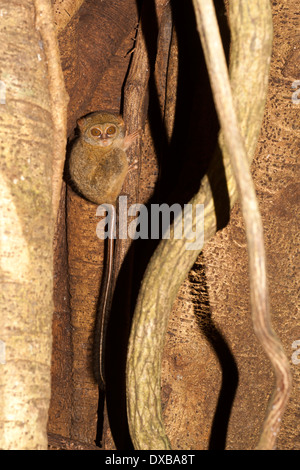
[
  {"x": 120, "y": 120},
  {"x": 80, "y": 122}
]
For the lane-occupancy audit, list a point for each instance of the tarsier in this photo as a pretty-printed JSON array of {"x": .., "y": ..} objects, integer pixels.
[{"x": 98, "y": 167}]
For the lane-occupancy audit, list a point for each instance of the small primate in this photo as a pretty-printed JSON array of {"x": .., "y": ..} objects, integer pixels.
[
  {"x": 98, "y": 167},
  {"x": 98, "y": 162}
]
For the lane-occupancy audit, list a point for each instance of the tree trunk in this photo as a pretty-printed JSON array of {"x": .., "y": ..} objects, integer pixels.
[{"x": 26, "y": 134}]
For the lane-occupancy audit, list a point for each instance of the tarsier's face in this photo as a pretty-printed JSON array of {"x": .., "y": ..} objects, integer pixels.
[
  {"x": 102, "y": 130},
  {"x": 103, "y": 134}
]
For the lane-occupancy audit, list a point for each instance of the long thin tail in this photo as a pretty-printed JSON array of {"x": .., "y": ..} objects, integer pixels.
[{"x": 103, "y": 310}]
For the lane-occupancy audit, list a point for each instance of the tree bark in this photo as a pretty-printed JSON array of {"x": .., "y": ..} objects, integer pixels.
[
  {"x": 26, "y": 133},
  {"x": 172, "y": 261}
]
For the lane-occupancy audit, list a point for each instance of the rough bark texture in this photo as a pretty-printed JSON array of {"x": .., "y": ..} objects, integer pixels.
[
  {"x": 172, "y": 260},
  {"x": 26, "y": 135},
  {"x": 230, "y": 364},
  {"x": 210, "y": 346},
  {"x": 63, "y": 11}
]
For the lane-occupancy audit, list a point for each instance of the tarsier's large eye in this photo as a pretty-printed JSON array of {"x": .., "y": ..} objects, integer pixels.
[
  {"x": 95, "y": 132},
  {"x": 111, "y": 130}
]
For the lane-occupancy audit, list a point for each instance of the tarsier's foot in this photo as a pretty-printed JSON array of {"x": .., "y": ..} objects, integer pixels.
[{"x": 134, "y": 165}]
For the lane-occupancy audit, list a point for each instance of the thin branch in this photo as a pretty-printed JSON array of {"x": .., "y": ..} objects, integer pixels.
[{"x": 135, "y": 112}]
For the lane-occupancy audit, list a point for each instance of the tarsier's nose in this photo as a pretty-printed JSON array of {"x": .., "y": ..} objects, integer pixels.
[{"x": 105, "y": 140}]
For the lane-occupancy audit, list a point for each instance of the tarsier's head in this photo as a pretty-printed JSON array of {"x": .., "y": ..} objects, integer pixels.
[{"x": 102, "y": 129}]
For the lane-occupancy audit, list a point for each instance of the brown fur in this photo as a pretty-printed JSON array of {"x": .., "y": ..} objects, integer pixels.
[{"x": 99, "y": 170}]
